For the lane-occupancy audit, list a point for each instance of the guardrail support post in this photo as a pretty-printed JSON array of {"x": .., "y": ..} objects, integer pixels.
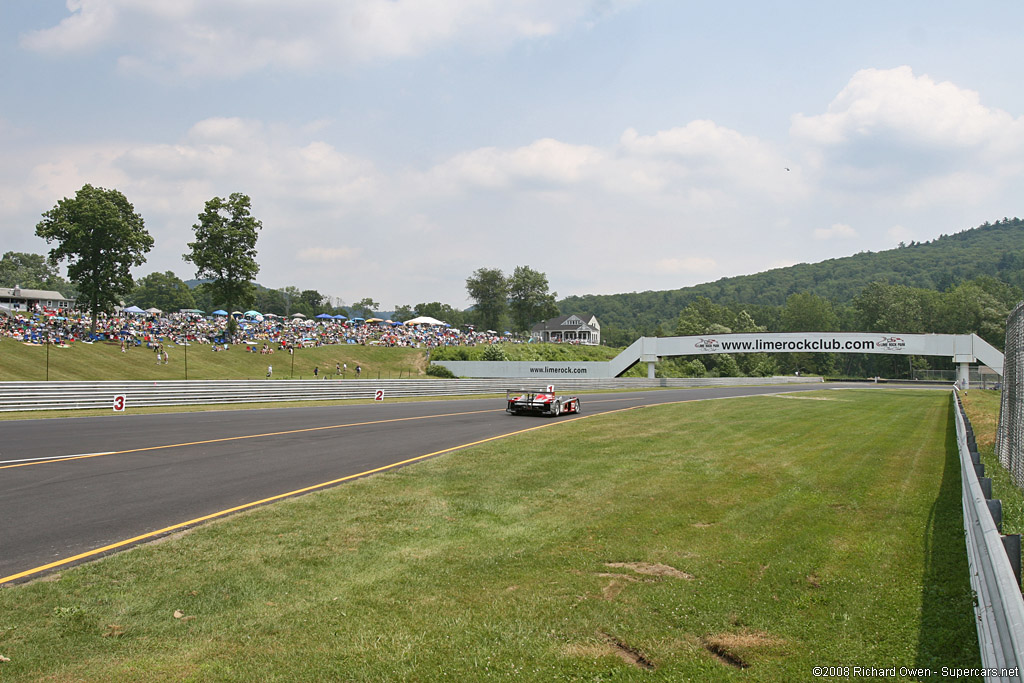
[
  {"x": 986, "y": 486},
  {"x": 995, "y": 508},
  {"x": 1011, "y": 543}
]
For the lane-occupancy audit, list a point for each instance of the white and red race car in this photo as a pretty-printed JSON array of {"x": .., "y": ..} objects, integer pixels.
[{"x": 540, "y": 402}]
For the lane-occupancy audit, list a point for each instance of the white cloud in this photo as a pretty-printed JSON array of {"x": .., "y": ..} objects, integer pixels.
[
  {"x": 898, "y": 105},
  {"x": 836, "y": 231},
  {"x": 232, "y": 37},
  {"x": 702, "y": 164},
  {"x": 705, "y": 154},
  {"x": 545, "y": 161},
  {"x": 907, "y": 141}
]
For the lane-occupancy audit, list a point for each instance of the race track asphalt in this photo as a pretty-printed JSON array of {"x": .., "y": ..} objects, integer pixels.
[{"x": 156, "y": 472}]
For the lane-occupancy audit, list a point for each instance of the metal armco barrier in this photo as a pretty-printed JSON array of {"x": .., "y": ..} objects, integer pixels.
[
  {"x": 19, "y": 396},
  {"x": 999, "y": 606}
]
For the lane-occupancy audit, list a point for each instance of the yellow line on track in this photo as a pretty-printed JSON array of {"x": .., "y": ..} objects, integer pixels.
[
  {"x": 238, "y": 438},
  {"x": 307, "y": 489}
]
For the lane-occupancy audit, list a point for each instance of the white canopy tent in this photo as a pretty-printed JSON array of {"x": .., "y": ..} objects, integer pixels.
[{"x": 425, "y": 320}]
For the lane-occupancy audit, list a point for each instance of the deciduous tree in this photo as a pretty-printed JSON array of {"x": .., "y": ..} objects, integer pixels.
[
  {"x": 101, "y": 238},
  {"x": 365, "y": 306},
  {"x": 164, "y": 291},
  {"x": 225, "y": 249},
  {"x": 32, "y": 271},
  {"x": 529, "y": 298},
  {"x": 488, "y": 287}
]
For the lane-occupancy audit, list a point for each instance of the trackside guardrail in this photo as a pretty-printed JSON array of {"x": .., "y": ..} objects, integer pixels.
[
  {"x": 23, "y": 396},
  {"x": 999, "y": 606}
]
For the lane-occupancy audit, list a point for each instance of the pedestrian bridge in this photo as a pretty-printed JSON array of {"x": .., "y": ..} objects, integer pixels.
[{"x": 962, "y": 349}]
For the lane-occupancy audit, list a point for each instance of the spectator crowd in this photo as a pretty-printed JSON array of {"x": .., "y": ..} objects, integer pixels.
[{"x": 263, "y": 335}]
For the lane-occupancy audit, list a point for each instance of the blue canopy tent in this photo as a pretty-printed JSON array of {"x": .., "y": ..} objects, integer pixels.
[
  {"x": 134, "y": 309},
  {"x": 219, "y": 311}
]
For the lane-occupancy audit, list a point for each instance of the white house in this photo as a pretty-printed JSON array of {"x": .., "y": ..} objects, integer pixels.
[
  {"x": 571, "y": 329},
  {"x": 18, "y": 299}
]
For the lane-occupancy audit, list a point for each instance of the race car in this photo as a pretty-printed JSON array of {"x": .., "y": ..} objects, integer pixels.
[{"x": 540, "y": 402}]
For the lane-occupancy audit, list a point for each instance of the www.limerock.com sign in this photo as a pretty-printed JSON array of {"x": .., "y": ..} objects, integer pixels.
[{"x": 960, "y": 348}]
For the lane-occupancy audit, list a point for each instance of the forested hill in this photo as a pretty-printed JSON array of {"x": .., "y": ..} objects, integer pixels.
[{"x": 995, "y": 250}]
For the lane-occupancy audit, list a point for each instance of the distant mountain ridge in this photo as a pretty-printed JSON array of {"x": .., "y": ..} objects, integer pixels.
[{"x": 996, "y": 250}]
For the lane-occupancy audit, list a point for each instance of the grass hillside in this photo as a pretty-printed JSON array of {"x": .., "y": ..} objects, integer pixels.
[{"x": 104, "y": 361}]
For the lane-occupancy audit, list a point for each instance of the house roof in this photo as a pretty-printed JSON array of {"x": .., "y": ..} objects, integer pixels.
[
  {"x": 568, "y": 322},
  {"x": 24, "y": 293}
]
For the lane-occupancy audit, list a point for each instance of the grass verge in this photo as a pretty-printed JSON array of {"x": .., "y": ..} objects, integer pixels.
[
  {"x": 749, "y": 539},
  {"x": 982, "y": 408}
]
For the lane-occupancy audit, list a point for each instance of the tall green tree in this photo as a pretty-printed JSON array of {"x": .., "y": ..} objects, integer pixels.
[
  {"x": 225, "y": 249},
  {"x": 365, "y": 307},
  {"x": 32, "y": 271},
  {"x": 312, "y": 301},
  {"x": 488, "y": 287},
  {"x": 269, "y": 301},
  {"x": 101, "y": 238},
  {"x": 529, "y": 298},
  {"x": 290, "y": 296},
  {"x": 403, "y": 312},
  {"x": 806, "y": 312},
  {"x": 881, "y": 307},
  {"x": 164, "y": 291}
]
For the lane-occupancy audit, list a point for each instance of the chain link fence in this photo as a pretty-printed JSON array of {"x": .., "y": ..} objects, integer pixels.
[
  {"x": 1010, "y": 434},
  {"x": 980, "y": 377}
]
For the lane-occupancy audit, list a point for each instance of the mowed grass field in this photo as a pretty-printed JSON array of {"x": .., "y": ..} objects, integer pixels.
[{"x": 748, "y": 539}]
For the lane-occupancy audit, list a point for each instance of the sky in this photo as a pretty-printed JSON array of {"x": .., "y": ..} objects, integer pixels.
[{"x": 393, "y": 147}]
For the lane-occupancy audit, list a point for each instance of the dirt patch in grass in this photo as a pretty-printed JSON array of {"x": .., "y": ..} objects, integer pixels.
[
  {"x": 609, "y": 645},
  {"x": 612, "y": 590},
  {"x": 618, "y": 582},
  {"x": 628, "y": 654},
  {"x": 649, "y": 569},
  {"x": 733, "y": 649}
]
